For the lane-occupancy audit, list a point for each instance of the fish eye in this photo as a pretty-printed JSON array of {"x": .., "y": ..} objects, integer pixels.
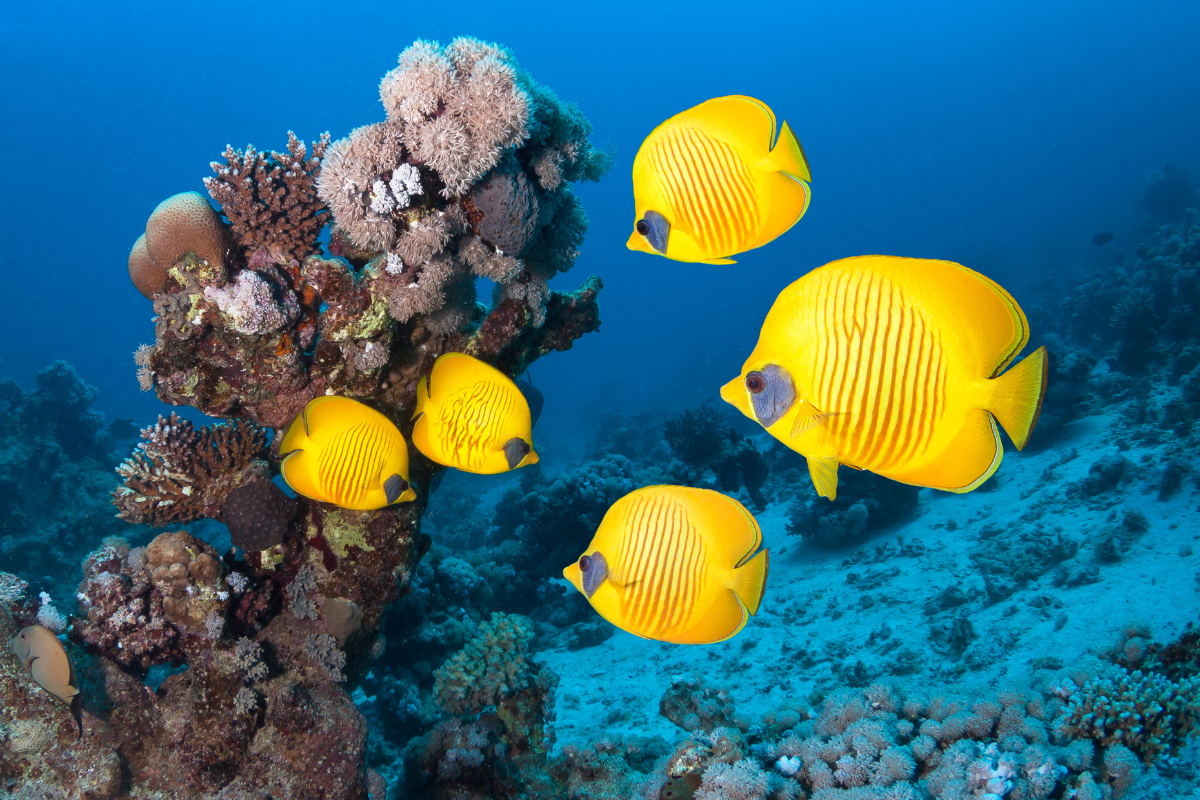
[
  {"x": 642, "y": 227},
  {"x": 756, "y": 382},
  {"x": 585, "y": 563}
]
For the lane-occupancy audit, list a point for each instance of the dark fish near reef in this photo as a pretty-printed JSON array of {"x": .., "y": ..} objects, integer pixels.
[
  {"x": 472, "y": 417},
  {"x": 1101, "y": 239},
  {"x": 714, "y": 181},
  {"x": 44, "y": 656},
  {"x": 676, "y": 564},
  {"x": 535, "y": 399},
  {"x": 342, "y": 452},
  {"x": 894, "y": 365}
]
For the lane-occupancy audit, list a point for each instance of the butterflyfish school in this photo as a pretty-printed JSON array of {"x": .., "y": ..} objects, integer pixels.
[
  {"x": 897, "y": 366},
  {"x": 676, "y": 564},
  {"x": 342, "y": 452},
  {"x": 43, "y": 655},
  {"x": 714, "y": 181},
  {"x": 472, "y": 417}
]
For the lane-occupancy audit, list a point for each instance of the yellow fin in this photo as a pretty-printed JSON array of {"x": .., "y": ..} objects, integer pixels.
[
  {"x": 970, "y": 459},
  {"x": 422, "y": 396},
  {"x": 459, "y": 369},
  {"x": 808, "y": 417},
  {"x": 420, "y": 432},
  {"x": 748, "y": 122},
  {"x": 1019, "y": 394},
  {"x": 718, "y": 261},
  {"x": 750, "y": 581},
  {"x": 823, "y": 472},
  {"x": 788, "y": 157}
]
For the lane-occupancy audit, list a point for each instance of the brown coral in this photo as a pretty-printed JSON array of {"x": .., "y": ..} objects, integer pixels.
[
  {"x": 270, "y": 198},
  {"x": 180, "y": 474},
  {"x": 258, "y": 514},
  {"x": 509, "y": 210},
  {"x": 148, "y": 277},
  {"x": 185, "y": 223},
  {"x": 187, "y": 572}
]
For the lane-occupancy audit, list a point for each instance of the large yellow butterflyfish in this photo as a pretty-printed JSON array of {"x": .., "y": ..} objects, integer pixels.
[
  {"x": 676, "y": 564},
  {"x": 713, "y": 181},
  {"x": 342, "y": 452},
  {"x": 894, "y": 365},
  {"x": 471, "y": 416},
  {"x": 40, "y": 652}
]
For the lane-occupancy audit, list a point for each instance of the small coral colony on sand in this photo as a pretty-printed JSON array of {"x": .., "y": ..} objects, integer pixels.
[{"x": 893, "y": 365}]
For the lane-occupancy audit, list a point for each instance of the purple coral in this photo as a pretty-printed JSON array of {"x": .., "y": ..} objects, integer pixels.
[
  {"x": 253, "y": 306},
  {"x": 508, "y": 210}
]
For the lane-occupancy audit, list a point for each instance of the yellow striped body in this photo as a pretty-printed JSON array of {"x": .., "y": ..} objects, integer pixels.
[
  {"x": 682, "y": 565},
  {"x": 342, "y": 452},
  {"x": 712, "y": 173},
  {"x": 893, "y": 363},
  {"x": 467, "y": 411}
]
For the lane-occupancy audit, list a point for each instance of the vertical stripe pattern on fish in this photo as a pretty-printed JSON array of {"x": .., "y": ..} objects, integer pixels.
[
  {"x": 472, "y": 417},
  {"x": 894, "y": 365},
  {"x": 676, "y": 564}
]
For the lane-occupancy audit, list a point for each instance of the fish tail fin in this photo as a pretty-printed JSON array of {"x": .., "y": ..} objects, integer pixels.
[
  {"x": 788, "y": 156},
  {"x": 790, "y": 191},
  {"x": 750, "y": 581},
  {"x": 1017, "y": 401},
  {"x": 77, "y": 713}
]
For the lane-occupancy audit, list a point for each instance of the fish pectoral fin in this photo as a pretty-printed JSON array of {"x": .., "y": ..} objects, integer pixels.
[
  {"x": 823, "y": 472},
  {"x": 718, "y": 261},
  {"x": 808, "y": 417}
]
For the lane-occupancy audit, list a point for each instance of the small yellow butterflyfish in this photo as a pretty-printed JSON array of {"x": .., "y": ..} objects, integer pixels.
[
  {"x": 471, "y": 416},
  {"x": 676, "y": 564},
  {"x": 897, "y": 366},
  {"x": 43, "y": 655},
  {"x": 342, "y": 452},
  {"x": 713, "y": 181}
]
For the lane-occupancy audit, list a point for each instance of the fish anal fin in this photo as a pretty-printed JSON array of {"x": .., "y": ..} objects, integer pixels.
[
  {"x": 718, "y": 261},
  {"x": 967, "y": 461},
  {"x": 750, "y": 581},
  {"x": 790, "y": 198},
  {"x": 823, "y": 471}
]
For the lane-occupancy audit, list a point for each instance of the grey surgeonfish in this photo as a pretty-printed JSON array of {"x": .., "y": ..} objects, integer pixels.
[{"x": 44, "y": 656}]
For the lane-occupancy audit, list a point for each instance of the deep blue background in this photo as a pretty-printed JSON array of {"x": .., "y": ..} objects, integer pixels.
[{"x": 1004, "y": 137}]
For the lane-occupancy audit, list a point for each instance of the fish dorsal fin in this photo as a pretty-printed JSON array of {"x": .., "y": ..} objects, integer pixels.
[
  {"x": 743, "y": 118},
  {"x": 823, "y": 471},
  {"x": 808, "y": 418}
]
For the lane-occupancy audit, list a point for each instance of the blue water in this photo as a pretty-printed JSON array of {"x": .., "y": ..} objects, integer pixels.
[{"x": 1003, "y": 136}]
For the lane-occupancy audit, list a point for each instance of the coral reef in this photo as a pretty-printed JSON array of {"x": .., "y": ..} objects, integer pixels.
[
  {"x": 181, "y": 474},
  {"x": 251, "y": 323},
  {"x": 56, "y": 460},
  {"x": 701, "y": 442},
  {"x": 270, "y": 199},
  {"x": 865, "y": 503}
]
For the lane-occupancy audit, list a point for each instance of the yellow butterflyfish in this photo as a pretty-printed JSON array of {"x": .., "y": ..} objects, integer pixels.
[
  {"x": 713, "y": 181},
  {"x": 676, "y": 564},
  {"x": 472, "y": 417},
  {"x": 40, "y": 652},
  {"x": 894, "y": 365},
  {"x": 342, "y": 452}
]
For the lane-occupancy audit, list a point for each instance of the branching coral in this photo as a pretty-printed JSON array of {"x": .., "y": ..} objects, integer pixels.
[
  {"x": 491, "y": 666},
  {"x": 1147, "y": 713},
  {"x": 181, "y": 474},
  {"x": 271, "y": 199}
]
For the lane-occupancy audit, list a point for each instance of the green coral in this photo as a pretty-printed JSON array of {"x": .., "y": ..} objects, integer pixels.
[
  {"x": 490, "y": 667},
  {"x": 343, "y": 530},
  {"x": 1146, "y": 712}
]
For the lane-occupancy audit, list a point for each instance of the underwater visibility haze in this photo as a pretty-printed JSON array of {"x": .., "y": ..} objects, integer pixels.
[{"x": 610, "y": 402}]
